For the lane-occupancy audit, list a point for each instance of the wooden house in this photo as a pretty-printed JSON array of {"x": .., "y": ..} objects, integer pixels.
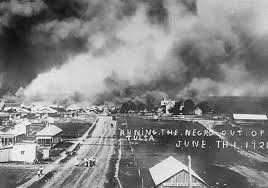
[
  {"x": 171, "y": 173},
  {"x": 49, "y": 136}
]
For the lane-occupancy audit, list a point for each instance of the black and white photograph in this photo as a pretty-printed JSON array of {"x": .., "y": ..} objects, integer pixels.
[{"x": 133, "y": 93}]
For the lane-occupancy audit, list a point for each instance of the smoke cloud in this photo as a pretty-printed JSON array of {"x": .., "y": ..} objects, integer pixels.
[{"x": 120, "y": 50}]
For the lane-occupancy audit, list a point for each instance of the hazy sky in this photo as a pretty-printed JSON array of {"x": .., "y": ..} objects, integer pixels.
[{"x": 114, "y": 50}]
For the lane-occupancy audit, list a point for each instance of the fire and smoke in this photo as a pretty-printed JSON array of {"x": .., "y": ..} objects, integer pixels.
[{"x": 119, "y": 50}]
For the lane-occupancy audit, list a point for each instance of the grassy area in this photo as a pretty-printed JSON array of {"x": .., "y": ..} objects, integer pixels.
[
  {"x": 14, "y": 176},
  {"x": 139, "y": 156},
  {"x": 73, "y": 130},
  {"x": 43, "y": 180},
  {"x": 246, "y": 136},
  {"x": 111, "y": 180}
]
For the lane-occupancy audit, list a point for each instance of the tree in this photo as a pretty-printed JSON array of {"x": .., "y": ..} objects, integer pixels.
[
  {"x": 176, "y": 110},
  {"x": 188, "y": 106},
  {"x": 126, "y": 106},
  {"x": 205, "y": 107}
]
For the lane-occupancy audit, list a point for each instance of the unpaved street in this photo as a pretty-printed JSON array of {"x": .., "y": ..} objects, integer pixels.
[
  {"x": 72, "y": 173},
  {"x": 100, "y": 146}
]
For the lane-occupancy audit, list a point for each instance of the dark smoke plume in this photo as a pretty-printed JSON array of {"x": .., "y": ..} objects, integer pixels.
[{"x": 125, "y": 50}]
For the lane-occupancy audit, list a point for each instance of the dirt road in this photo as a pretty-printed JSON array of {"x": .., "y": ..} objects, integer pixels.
[{"x": 100, "y": 146}]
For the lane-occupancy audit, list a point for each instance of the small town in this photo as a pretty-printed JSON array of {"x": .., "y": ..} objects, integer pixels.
[
  {"x": 52, "y": 143},
  {"x": 133, "y": 94}
]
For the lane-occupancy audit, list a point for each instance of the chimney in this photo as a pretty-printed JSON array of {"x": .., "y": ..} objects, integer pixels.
[{"x": 190, "y": 171}]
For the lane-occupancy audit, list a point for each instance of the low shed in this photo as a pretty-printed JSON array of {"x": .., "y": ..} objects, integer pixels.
[
  {"x": 171, "y": 173},
  {"x": 247, "y": 118}
]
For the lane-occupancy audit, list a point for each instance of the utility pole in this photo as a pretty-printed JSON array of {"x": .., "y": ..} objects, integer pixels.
[{"x": 190, "y": 171}]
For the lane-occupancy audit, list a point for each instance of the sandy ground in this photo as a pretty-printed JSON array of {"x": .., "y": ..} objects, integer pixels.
[{"x": 101, "y": 147}]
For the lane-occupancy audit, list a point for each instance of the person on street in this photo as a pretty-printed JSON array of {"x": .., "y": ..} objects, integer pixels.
[
  {"x": 86, "y": 162},
  {"x": 90, "y": 162},
  {"x": 94, "y": 161},
  {"x": 41, "y": 170}
]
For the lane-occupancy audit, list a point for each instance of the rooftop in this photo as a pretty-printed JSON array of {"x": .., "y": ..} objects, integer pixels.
[
  {"x": 250, "y": 116},
  {"x": 168, "y": 168},
  {"x": 51, "y": 130}
]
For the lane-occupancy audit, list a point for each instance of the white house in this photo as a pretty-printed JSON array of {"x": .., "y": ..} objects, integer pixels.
[
  {"x": 25, "y": 152},
  {"x": 49, "y": 136},
  {"x": 167, "y": 104},
  {"x": 73, "y": 110},
  {"x": 12, "y": 148},
  {"x": 12, "y": 136}
]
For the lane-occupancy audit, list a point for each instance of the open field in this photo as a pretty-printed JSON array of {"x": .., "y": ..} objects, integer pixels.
[
  {"x": 73, "y": 130},
  {"x": 217, "y": 166},
  {"x": 14, "y": 175},
  {"x": 255, "y": 135}
]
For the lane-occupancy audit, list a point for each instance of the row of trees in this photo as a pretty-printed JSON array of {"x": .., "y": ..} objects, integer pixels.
[
  {"x": 188, "y": 106},
  {"x": 185, "y": 107}
]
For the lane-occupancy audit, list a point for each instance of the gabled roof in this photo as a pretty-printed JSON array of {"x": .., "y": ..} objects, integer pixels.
[
  {"x": 168, "y": 168},
  {"x": 250, "y": 116},
  {"x": 51, "y": 130}
]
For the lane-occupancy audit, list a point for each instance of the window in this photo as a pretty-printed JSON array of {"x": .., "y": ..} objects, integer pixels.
[{"x": 22, "y": 152}]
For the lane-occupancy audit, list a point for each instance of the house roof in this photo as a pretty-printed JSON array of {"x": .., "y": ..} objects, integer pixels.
[
  {"x": 2, "y": 104},
  {"x": 12, "y": 104},
  {"x": 250, "y": 116},
  {"x": 51, "y": 130},
  {"x": 15, "y": 132},
  {"x": 41, "y": 109},
  {"x": 168, "y": 168},
  {"x": 17, "y": 109},
  {"x": 73, "y": 107},
  {"x": 12, "y": 133}
]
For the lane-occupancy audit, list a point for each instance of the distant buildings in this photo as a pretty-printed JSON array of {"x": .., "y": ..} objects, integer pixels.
[
  {"x": 28, "y": 130},
  {"x": 73, "y": 110},
  {"x": 42, "y": 111},
  {"x": 167, "y": 105},
  {"x": 172, "y": 173}
]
